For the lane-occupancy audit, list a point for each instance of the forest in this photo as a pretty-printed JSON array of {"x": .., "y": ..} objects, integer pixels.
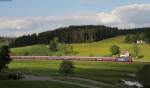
[{"x": 77, "y": 34}]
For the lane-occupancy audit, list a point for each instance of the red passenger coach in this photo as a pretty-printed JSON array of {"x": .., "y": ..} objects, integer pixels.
[{"x": 106, "y": 59}]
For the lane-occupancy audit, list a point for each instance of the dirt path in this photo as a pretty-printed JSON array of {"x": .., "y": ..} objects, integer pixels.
[{"x": 42, "y": 78}]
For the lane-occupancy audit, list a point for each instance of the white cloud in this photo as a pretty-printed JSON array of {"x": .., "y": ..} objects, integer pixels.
[{"x": 130, "y": 16}]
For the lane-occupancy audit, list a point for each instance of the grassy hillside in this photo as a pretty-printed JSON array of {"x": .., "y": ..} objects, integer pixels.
[
  {"x": 100, "y": 48},
  {"x": 31, "y": 50}
]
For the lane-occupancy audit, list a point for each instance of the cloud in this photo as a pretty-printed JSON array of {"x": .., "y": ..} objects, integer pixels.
[
  {"x": 136, "y": 15},
  {"x": 130, "y": 16}
]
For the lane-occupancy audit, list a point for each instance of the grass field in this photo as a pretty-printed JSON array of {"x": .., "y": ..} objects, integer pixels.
[
  {"x": 109, "y": 72},
  {"x": 100, "y": 48},
  {"x": 34, "y": 84}
]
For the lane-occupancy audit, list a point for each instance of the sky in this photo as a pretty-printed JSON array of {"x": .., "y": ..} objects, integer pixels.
[{"x": 19, "y": 17}]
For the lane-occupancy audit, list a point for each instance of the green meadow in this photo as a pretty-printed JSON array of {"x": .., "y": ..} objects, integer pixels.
[
  {"x": 34, "y": 84},
  {"x": 100, "y": 48},
  {"x": 109, "y": 72}
]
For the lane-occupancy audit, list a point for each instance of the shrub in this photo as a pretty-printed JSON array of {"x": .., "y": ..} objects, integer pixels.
[{"x": 66, "y": 68}]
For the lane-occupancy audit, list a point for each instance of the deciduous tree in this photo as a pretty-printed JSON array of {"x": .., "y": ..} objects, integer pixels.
[
  {"x": 115, "y": 49},
  {"x": 4, "y": 57}
]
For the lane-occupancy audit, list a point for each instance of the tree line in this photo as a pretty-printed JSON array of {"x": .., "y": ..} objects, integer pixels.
[
  {"x": 76, "y": 34},
  {"x": 132, "y": 38}
]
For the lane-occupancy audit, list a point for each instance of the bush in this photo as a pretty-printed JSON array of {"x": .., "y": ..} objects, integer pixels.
[
  {"x": 143, "y": 75},
  {"x": 66, "y": 68}
]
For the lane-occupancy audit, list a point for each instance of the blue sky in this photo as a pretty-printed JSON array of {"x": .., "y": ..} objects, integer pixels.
[
  {"x": 60, "y": 7},
  {"x": 19, "y": 17}
]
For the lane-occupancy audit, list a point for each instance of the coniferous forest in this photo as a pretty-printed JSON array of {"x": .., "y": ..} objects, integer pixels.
[{"x": 77, "y": 34}]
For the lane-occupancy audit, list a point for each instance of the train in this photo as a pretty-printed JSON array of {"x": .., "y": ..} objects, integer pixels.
[{"x": 108, "y": 59}]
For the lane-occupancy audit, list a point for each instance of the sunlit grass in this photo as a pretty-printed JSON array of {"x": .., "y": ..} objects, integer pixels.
[{"x": 101, "y": 48}]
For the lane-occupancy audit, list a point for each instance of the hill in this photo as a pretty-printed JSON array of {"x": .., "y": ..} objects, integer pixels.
[
  {"x": 77, "y": 34},
  {"x": 100, "y": 48}
]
